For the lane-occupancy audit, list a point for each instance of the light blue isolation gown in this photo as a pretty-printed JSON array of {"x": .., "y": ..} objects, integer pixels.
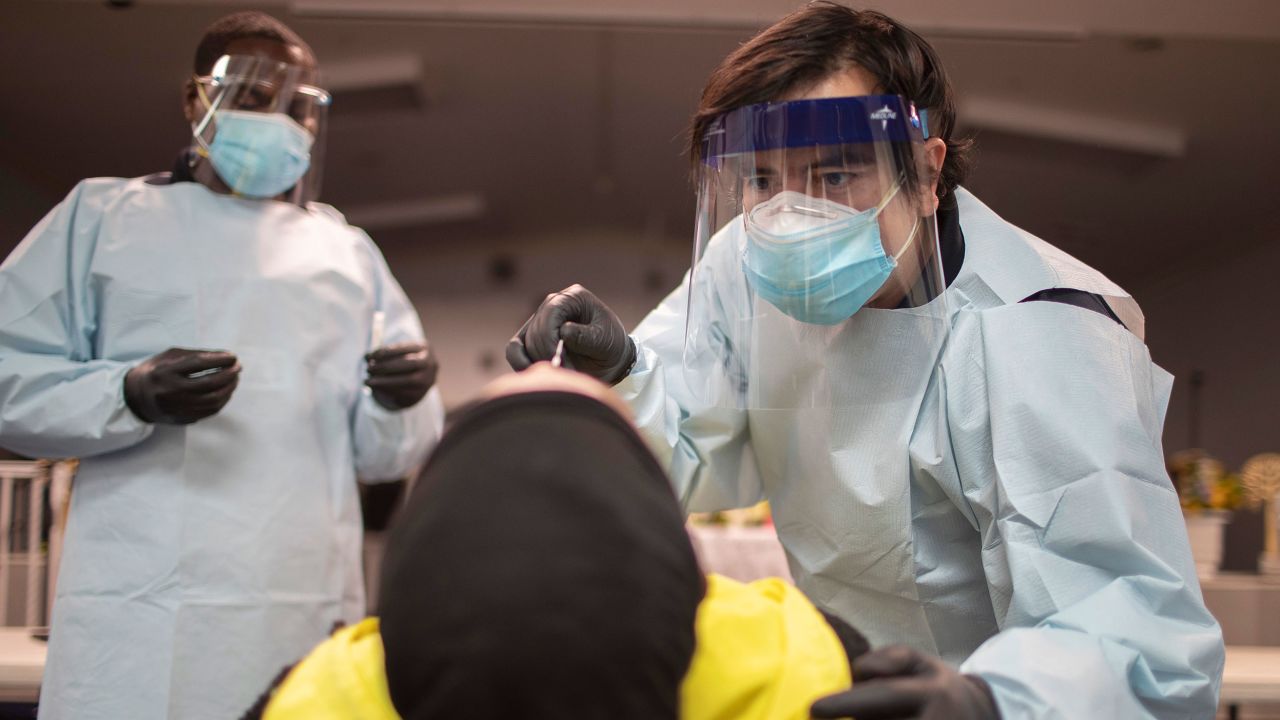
[
  {"x": 201, "y": 559},
  {"x": 995, "y": 495}
]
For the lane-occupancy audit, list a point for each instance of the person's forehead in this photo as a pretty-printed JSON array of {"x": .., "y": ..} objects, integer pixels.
[{"x": 274, "y": 49}]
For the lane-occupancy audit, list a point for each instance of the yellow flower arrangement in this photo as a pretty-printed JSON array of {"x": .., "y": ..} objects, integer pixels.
[{"x": 1203, "y": 482}]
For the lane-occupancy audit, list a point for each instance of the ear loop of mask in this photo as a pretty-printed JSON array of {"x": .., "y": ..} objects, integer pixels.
[
  {"x": 910, "y": 240},
  {"x": 915, "y": 228},
  {"x": 888, "y": 198}
]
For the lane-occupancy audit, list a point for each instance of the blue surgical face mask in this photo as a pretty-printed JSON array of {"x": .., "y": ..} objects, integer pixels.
[
  {"x": 816, "y": 260},
  {"x": 259, "y": 154}
]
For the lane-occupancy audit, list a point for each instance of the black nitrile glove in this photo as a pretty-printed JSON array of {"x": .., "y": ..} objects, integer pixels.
[
  {"x": 180, "y": 386},
  {"x": 899, "y": 682},
  {"x": 401, "y": 374},
  {"x": 595, "y": 342}
]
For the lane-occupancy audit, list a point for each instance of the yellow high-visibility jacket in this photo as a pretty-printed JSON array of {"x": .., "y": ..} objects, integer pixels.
[{"x": 763, "y": 653}]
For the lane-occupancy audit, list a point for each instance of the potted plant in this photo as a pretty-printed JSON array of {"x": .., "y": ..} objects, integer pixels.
[
  {"x": 1208, "y": 494},
  {"x": 1262, "y": 487}
]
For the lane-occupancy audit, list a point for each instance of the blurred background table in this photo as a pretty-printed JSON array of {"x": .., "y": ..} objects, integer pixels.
[
  {"x": 1251, "y": 678},
  {"x": 742, "y": 553},
  {"x": 21, "y": 665},
  {"x": 1246, "y": 605}
]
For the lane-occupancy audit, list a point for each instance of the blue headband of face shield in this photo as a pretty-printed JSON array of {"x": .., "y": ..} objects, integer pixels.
[
  {"x": 805, "y": 123},
  {"x": 813, "y": 258}
]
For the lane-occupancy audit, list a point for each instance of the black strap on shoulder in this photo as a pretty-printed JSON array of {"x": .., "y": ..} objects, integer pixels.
[{"x": 1079, "y": 298}]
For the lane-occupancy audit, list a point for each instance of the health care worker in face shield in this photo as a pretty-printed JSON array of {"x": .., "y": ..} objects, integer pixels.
[
  {"x": 225, "y": 357},
  {"x": 957, "y": 425}
]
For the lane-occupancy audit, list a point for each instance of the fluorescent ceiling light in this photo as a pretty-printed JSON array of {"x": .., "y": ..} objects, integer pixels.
[
  {"x": 1092, "y": 130},
  {"x": 702, "y": 14},
  {"x": 375, "y": 85},
  {"x": 371, "y": 72},
  {"x": 411, "y": 213}
]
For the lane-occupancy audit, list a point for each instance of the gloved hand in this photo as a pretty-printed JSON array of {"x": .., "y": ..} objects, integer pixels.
[
  {"x": 899, "y": 682},
  {"x": 401, "y": 374},
  {"x": 180, "y": 386},
  {"x": 595, "y": 342}
]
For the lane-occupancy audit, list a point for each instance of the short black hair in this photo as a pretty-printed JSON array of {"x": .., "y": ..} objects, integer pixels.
[
  {"x": 238, "y": 26},
  {"x": 823, "y": 38}
]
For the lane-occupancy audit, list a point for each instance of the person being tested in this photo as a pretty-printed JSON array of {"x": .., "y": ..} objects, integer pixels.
[
  {"x": 555, "y": 579},
  {"x": 957, "y": 425},
  {"x": 225, "y": 356}
]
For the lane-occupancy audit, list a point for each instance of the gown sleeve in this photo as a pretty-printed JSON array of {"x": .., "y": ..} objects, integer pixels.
[
  {"x": 390, "y": 444},
  {"x": 704, "y": 444},
  {"x": 56, "y": 398},
  {"x": 1056, "y": 416}
]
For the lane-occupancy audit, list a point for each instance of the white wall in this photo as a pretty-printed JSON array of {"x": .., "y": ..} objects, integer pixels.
[{"x": 468, "y": 317}]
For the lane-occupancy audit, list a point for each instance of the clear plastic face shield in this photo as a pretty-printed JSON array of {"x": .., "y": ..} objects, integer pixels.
[
  {"x": 816, "y": 252},
  {"x": 263, "y": 127}
]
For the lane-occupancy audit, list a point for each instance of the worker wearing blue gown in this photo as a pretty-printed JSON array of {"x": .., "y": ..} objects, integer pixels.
[
  {"x": 225, "y": 357},
  {"x": 956, "y": 424}
]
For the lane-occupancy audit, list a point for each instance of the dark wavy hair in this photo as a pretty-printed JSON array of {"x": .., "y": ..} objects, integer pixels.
[{"x": 823, "y": 38}]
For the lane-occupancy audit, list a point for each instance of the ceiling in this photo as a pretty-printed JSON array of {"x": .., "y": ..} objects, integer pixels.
[{"x": 1132, "y": 137}]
